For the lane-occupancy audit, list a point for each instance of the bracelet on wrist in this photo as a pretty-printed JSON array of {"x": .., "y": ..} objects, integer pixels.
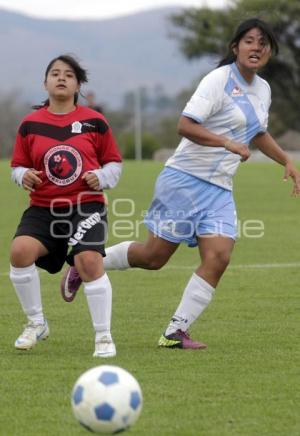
[{"x": 227, "y": 143}]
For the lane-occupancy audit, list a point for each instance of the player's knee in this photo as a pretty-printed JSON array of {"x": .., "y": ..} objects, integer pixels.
[
  {"x": 219, "y": 259},
  {"x": 21, "y": 255},
  {"x": 87, "y": 264},
  {"x": 224, "y": 259}
]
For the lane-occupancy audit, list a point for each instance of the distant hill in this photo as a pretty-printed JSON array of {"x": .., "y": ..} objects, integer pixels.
[{"x": 120, "y": 54}]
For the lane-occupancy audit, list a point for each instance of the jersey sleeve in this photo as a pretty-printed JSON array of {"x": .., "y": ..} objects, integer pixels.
[
  {"x": 207, "y": 99},
  {"x": 265, "y": 123},
  {"x": 107, "y": 150},
  {"x": 268, "y": 101},
  {"x": 21, "y": 154}
]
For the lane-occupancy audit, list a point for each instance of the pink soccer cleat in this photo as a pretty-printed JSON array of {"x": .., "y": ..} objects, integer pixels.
[
  {"x": 180, "y": 339},
  {"x": 70, "y": 284}
]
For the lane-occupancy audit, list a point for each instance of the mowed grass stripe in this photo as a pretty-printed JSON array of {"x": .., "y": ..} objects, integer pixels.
[
  {"x": 244, "y": 384},
  {"x": 187, "y": 267}
]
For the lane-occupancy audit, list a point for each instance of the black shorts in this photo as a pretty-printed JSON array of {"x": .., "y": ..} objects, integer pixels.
[{"x": 82, "y": 227}]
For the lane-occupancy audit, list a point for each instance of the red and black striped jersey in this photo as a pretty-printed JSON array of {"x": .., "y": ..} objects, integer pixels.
[{"x": 64, "y": 147}]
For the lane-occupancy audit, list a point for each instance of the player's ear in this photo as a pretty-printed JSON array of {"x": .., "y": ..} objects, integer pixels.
[{"x": 234, "y": 48}]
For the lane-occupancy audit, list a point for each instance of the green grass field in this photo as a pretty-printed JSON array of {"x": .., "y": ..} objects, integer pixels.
[{"x": 247, "y": 383}]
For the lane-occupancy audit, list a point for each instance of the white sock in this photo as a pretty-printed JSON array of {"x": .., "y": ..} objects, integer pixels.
[
  {"x": 116, "y": 256},
  {"x": 99, "y": 298},
  {"x": 196, "y": 297},
  {"x": 26, "y": 282}
]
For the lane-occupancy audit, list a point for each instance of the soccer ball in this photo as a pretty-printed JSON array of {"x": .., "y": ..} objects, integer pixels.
[{"x": 106, "y": 399}]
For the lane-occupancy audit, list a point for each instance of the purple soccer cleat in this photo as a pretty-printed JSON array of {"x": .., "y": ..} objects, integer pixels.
[
  {"x": 70, "y": 284},
  {"x": 180, "y": 339}
]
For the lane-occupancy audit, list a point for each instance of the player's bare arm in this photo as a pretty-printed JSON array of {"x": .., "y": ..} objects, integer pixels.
[
  {"x": 267, "y": 145},
  {"x": 195, "y": 132}
]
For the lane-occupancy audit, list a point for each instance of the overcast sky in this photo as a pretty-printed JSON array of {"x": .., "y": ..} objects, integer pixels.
[{"x": 95, "y": 9}]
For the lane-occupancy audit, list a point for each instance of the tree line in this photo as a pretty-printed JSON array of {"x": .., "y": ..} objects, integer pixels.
[
  {"x": 207, "y": 32},
  {"x": 200, "y": 32}
]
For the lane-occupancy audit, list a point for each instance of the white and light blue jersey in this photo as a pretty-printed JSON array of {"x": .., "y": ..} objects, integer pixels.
[{"x": 225, "y": 104}]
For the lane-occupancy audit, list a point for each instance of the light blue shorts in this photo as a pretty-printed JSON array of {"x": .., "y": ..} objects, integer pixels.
[{"x": 185, "y": 207}]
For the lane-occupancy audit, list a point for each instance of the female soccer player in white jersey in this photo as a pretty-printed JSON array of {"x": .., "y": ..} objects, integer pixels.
[
  {"x": 193, "y": 200},
  {"x": 58, "y": 151}
]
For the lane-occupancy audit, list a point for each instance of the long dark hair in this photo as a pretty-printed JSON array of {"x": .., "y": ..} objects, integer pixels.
[
  {"x": 242, "y": 29},
  {"x": 80, "y": 73}
]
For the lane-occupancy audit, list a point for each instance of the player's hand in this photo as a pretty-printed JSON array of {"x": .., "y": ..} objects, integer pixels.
[
  {"x": 241, "y": 149},
  {"x": 92, "y": 180},
  {"x": 291, "y": 171},
  {"x": 31, "y": 179}
]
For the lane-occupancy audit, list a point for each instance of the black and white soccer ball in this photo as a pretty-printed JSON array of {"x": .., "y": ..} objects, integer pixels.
[{"x": 106, "y": 399}]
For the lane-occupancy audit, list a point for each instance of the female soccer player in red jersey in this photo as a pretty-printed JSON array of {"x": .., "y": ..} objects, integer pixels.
[{"x": 64, "y": 155}]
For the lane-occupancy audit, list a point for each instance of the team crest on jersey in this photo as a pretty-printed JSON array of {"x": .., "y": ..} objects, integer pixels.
[
  {"x": 76, "y": 127},
  {"x": 237, "y": 92},
  {"x": 63, "y": 164}
]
